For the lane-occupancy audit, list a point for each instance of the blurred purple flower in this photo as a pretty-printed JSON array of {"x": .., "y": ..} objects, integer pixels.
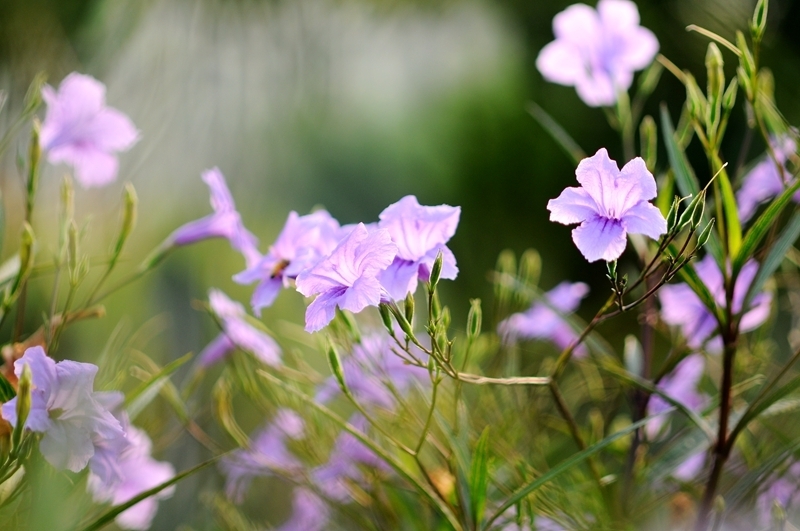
[
  {"x": 546, "y": 320},
  {"x": 348, "y": 278},
  {"x": 680, "y": 306},
  {"x": 236, "y": 333},
  {"x": 691, "y": 466},
  {"x": 608, "y": 205},
  {"x": 783, "y": 490},
  {"x": 64, "y": 408},
  {"x": 597, "y": 51},
  {"x": 309, "y": 512},
  {"x": 81, "y": 131},
  {"x": 225, "y": 222},
  {"x": 764, "y": 181},
  {"x": 420, "y": 232},
  {"x": 681, "y": 385},
  {"x": 104, "y": 464},
  {"x": 303, "y": 242},
  {"x": 373, "y": 373},
  {"x": 140, "y": 473},
  {"x": 267, "y": 454}
]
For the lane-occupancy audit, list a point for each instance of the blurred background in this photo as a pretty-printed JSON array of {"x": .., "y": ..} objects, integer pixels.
[{"x": 346, "y": 104}]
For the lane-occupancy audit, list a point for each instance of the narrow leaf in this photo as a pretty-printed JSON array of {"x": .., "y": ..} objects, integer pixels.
[
  {"x": 773, "y": 260},
  {"x": 479, "y": 476},
  {"x": 558, "y": 133},
  {"x": 684, "y": 175},
  {"x": 6, "y": 390},
  {"x": 140, "y": 397},
  {"x": 762, "y": 226}
]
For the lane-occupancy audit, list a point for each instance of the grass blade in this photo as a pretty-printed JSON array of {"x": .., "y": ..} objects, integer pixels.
[{"x": 558, "y": 133}]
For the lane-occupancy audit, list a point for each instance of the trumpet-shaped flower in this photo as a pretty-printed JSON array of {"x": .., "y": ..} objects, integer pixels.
[
  {"x": 609, "y": 204},
  {"x": 420, "y": 233},
  {"x": 267, "y": 454},
  {"x": 139, "y": 473},
  {"x": 303, "y": 242},
  {"x": 348, "y": 278},
  {"x": 546, "y": 321},
  {"x": 64, "y": 408},
  {"x": 764, "y": 181},
  {"x": 225, "y": 222},
  {"x": 237, "y": 333},
  {"x": 79, "y": 130},
  {"x": 597, "y": 51},
  {"x": 680, "y": 306},
  {"x": 681, "y": 385}
]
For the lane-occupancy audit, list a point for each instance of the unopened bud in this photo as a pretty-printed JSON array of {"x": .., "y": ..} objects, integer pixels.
[
  {"x": 530, "y": 267},
  {"x": 408, "y": 307},
  {"x": 128, "y": 218},
  {"x": 445, "y": 318},
  {"x": 649, "y": 78},
  {"x": 336, "y": 367},
  {"x": 746, "y": 60},
  {"x": 695, "y": 98},
  {"x": 352, "y": 326},
  {"x": 26, "y": 253},
  {"x": 23, "y": 403},
  {"x": 72, "y": 246},
  {"x": 612, "y": 271},
  {"x": 33, "y": 97},
  {"x": 672, "y": 215},
  {"x": 474, "y": 319},
  {"x": 759, "y": 23},
  {"x": 648, "y": 137},
  {"x": 386, "y": 317},
  {"x": 745, "y": 82},
  {"x": 67, "y": 199},
  {"x": 715, "y": 72},
  {"x": 705, "y": 234},
  {"x": 729, "y": 97},
  {"x": 688, "y": 214},
  {"x": 436, "y": 270}
]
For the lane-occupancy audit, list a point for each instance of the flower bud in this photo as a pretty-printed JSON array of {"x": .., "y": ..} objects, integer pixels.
[
  {"x": 688, "y": 214},
  {"x": 386, "y": 317},
  {"x": 474, "y": 318},
  {"x": 33, "y": 97},
  {"x": 746, "y": 60},
  {"x": 128, "y": 219},
  {"x": 67, "y": 200},
  {"x": 648, "y": 137},
  {"x": 436, "y": 270},
  {"x": 336, "y": 368},
  {"x": 745, "y": 82},
  {"x": 715, "y": 72},
  {"x": 705, "y": 234},
  {"x": 729, "y": 97},
  {"x": 34, "y": 157},
  {"x": 72, "y": 247},
  {"x": 672, "y": 216},
  {"x": 695, "y": 99},
  {"x": 612, "y": 271},
  {"x": 408, "y": 306},
  {"x": 24, "y": 395},
  {"x": 759, "y": 23},
  {"x": 530, "y": 267}
]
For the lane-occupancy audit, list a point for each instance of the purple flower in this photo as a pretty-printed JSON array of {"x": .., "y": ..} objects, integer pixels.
[
  {"x": 691, "y": 466},
  {"x": 764, "y": 181},
  {"x": 597, "y": 52},
  {"x": 267, "y": 453},
  {"x": 609, "y": 204},
  {"x": 373, "y": 373},
  {"x": 348, "y": 278},
  {"x": 309, "y": 512},
  {"x": 237, "y": 333},
  {"x": 64, "y": 408},
  {"x": 303, "y": 242},
  {"x": 104, "y": 464},
  {"x": 139, "y": 473},
  {"x": 681, "y": 385},
  {"x": 782, "y": 490},
  {"x": 420, "y": 233},
  {"x": 546, "y": 321},
  {"x": 81, "y": 131},
  {"x": 680, "y": 306},
  {"x": 225, "y": 222}
]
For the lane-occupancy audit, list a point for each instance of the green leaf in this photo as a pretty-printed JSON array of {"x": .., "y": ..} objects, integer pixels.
[
  {"x": 115, "y": 511},
  {"x": 732, "y": 224},
  {"x": 551, "y": 474},
  {"x": 479, "y": 476},
  {"x": 774, "y": 258},
  {"x": 684, "y": 175},
  {"x": 762, "y": 226},
  {"x": 140, "y": 397},
  {"x": 562, "y": 138},
  {"x": 6, "y": 390}
]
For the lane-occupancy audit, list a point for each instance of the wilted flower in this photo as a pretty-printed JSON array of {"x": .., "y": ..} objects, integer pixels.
[
  {"x": 764, "y": 181},
  {"x": 81, "y": 131},
  {"x": 139, "y": 473},
  {"x": 348, "y": 278},
  {"x": 609, "y": 204},
  {"x": 64, "y": 408},
  {"x": 303, "y": 241},
  {"x": 680, "y": 306},
  {"x": 225, "y": 222},
  {"x": 546, "y": 321},
  {"x": 237, "y": 333},
  {"x": 597, "y": 51},
  {"x": 373, "y": 373},
  {"x": 420, "y": 233},
  {"x": 266, "y": 455},
  {"x": 680, "y": 385}
]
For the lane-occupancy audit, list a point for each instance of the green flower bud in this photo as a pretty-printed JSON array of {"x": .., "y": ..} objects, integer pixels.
[
  {"x": 386, "y": 317},
  {"x": 474, "y": 319},
  {"x": 409, "y": 307},
  {"x": 759, "y": 23},
  {"x": 648, "y": 137},
  {"x": 705, "y": 234},
  {"x": 336, "y": 368},
  {"x": 436, "y": 270},
  {"x": 729, "y": 97}
]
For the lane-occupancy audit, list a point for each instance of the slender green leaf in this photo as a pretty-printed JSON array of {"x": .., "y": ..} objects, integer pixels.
[
  {"x": 732, "y": 224},
  {"x": 424, "y": 489},
  {"x": 115, "y": 511},
  {"x": 479, "y": 476},
  {"x": 684, "y": 175},
  {"x": 762, "y": 226},
  {"x": 773, "y": 260},
  {"x": 551, "y": 474},
  {"x": 637, "y": 381},
  {"x": 6, "y": 390},
  {"x": 140, "y": 397},
  {"x": 558, "y": 133}
]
